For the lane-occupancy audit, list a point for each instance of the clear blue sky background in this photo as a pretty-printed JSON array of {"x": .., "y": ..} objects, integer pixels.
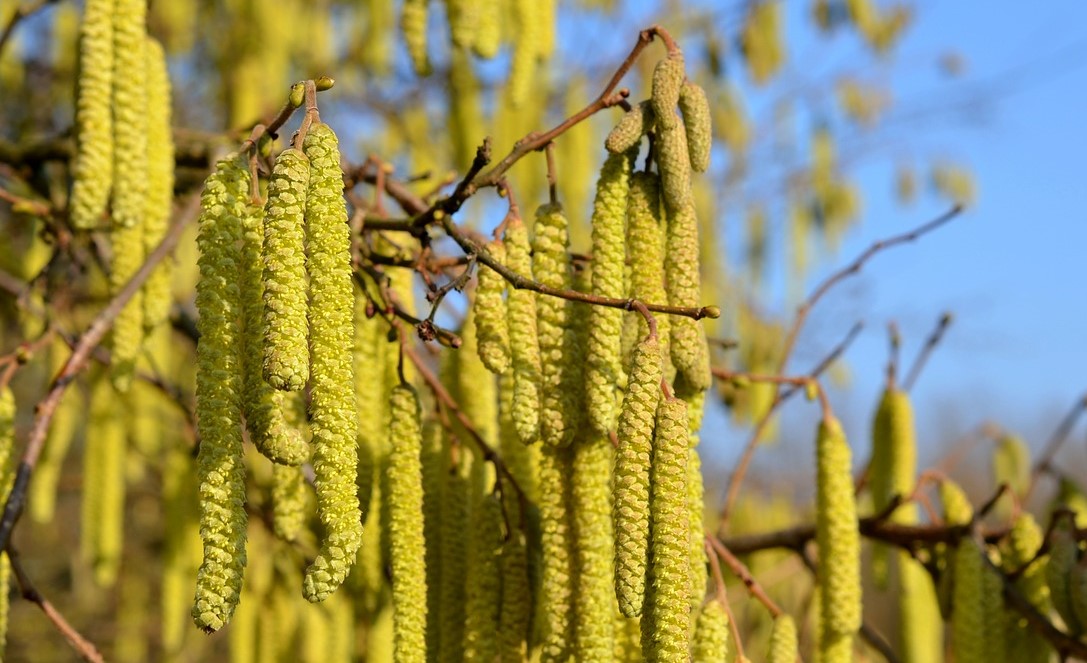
[{"x": 1012, "y": 270}]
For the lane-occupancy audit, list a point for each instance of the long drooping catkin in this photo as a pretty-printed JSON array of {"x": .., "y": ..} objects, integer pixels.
[
  {"x": 696, "y": 121},
  {"x": 645, "y": 246},
  {"x": 160, "y": 184},
  {"x": 524, "y": 339},
  {"x": 453, "y": 557},
  {"x": 286, "y": 342},
  {"x": 594, "y": 597},
  {"x": 332, "y": 397},
  {"x": 837, "y": 536},
  {"x": 104, "y": 484},
  {"x": 710, "y": 642},
  {"x": 670, "y": 534},
  {"x": 605, "y": 366},
  {"x": 93, "y": 170},
  {"x": 967, "y": 608},
  {"x": 492, "y": 328},
  {"x": 783, "y": 641},
  {"x": 894, "y": 463},
  {"x": 484, "y": 580},
  {"x": 220, "y": 469},
  {"x": 516, "y": 600},
  {"x": 630, "y": 510},
  {"x": 527, "y": 21},
  {"x": 413, "y": 23},
  {"x": 407, "y": 547},
  {"x": 1025, "y": 539},
  {"x": 555, "y": 611}
]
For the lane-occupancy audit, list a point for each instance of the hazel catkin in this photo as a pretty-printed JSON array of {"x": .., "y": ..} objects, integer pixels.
[
  {"x": 634, "y": 124},
  {"x": 967, "y": 608},
  {"x": 894, "y": 463},
  {"x": 837, "y": 535},
  {"x": 710, "y": 642},
  {"x": 524, "y": 339},
  {"x": 492, "y": 328},
  {"x": 630, "y": 500},
  {"x": 696, "y": 121},
  {"x": 413, "y": 23},
  {"x": 286, "y": 342},
  {"x": 783, "y": 641},
  {"x": 516, "y": 600},
  {"x": 594, "y": 595},
  {"x": 550, "y": 266},
  {"x": 160, "y": 184},
  {"x": 555, "y": 610},
  {"x": 333, "y": 423},
  {"x": 93, "y": 170}
]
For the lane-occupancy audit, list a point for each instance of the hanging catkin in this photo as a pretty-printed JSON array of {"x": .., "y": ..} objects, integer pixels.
[
  {"x": 104, "y": 484},
  {"x": 1063, "y": 552},
  {"x": 516, "y": 600},
  {"x": 488, "y": 35},
  {"x": 93, "y": 170},
  {"x": 710, "y": 642},
  {"x": 696, "y": 121},
  {"x": 968, "y": 633},
  {"x": 406, "y": 527},
  {"x": 492, "y": 328},
  {"x": 484, "y": 580},
  {"x": 332, "y": 396},
  {"x": 630, "y": 511},
  {"x": 220, "y": 469},
  {"x": 555, "y": 611},
  {"x": 645, "y": 246},
  {"x": 696, "y": 548},
  {"x": 262, "y": 405},
  {"x": 434, "y": 462},
  {"x": 288, "y": 501},
  {"x": 837, "y": 536},
  {"x": 634, "y": 124},
  {"x": 605, "y": 366},
  {"x": 1025, "y": 539},
  {"x": 783, "y": 641},
  {"x": 527, "y": 26},
  {"x": 160, "y": 184},
  {"x": 286, "y": 342},
  {"x": 7, "y": 478},
  {"x": 670, "y": 533},
  {"x": 371, "y": 401},
  {"x": 524, "y": 339},
  {"x": 594, "y": 596},
  {"x": 894, "y": 462},
  {"x": 550, "y": 266},
  {"x": 413, "y": 23}
]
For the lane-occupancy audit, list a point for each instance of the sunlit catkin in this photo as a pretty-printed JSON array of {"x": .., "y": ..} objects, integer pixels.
[
  {"x": 1024, "y": 540},
  {"x": 453, "y": 556},
  {"x": 488, "y": 34},
  {"x": 837, "y": 535},
  {"x": 668, "y": 554},
  {"x": 332, "y": 398},
  {"x": 130, "y": 173},
  {"x": 524, "y": 341},
  {"x": 516, "y": 600},
  {"x": 492, "y": 328},
  {"x": 484, "y": 580},
  {"x": 645, "y": 246},
  {"x": 526, "y": 15},
  {"x": 968, "y": 634},
  {"x": 555, "y": 613},
  {"x": 286, "y": 349},
  {"x": 160, "y": 184},
  {"x": 668, "y": 78},
  {"x": 687, "y": 343},
  {"x": 406, "y": 527},
  {"x": 894, "y": 462},
  {"x": 594, "y": 596},
  {"x": 288, "y": 501},
  {"x": 630, "y": 503},
  {"x": 696, "y": 120},
  {"x": 413, "y": 24},
  {"x": 1063, "y": 553},
  {"x": 550, "y": 266},
  {"x": 220, "y": 469},
  {"x": 262, "y": 405},
  {"x": 628, "y": 132},
  {"x": 93, "y": 169},
  {"x": 783, "y": 641},
  {"x": 710, "y": 642}
]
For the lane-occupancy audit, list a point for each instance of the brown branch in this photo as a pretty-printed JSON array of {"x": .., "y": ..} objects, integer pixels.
[
  {"x": 744, "y": 574},
  {"x": 1064, "y": 429},
  {"x": 930, "y": 344},
  {"x": 78, "y": 360},
  {"x": 86, "y": 650}
]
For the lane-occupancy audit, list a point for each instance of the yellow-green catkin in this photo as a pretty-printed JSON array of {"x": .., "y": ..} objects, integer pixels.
[
  {"x": 550, "y": 266},
  {"x": 104, "y": 484},
  {"x": 645, "y": 246},
  {"x": 371, "y": 398},
  {"x": 130, "y": 174},
  {"x": 484, "y": 580},
  {"x": 93, "y": 170},
  {"x": 488, "y": 34},
  {"x": 710, "y": 642},
  {"x": 521, "y": 460},
  {"x": 696, "y": 120},
  {"x": 7, "y": 477},
  {"x": 524, "y": 340},
  {"x": 286, "y": 349},
  {"x": 332, "y": 397},
  {"x": 513, "y": 623},
  {"x": 1063, "y": 553},
  {"x": 555, "y": 613},
  {"x": 434, "y": 462},
  {"x": 220, "y": 468},
  {"x": 288, "y": 501},
  {"x": 628, "y": 132},
  {"x": 893, "y": 465},
  {"x": 968, "y": 635},
  {"x": 492, "y": 328},
  {"x": 463, "y": 17},
  {"x": 406, "y": 527},
  {"x": 696, "y": 507},
  {"x": 837, "y": 536},
  {"x": 1025, "y": 539},
  {"x": 922, "y": 626},
  {"x": 604, "y": 360},
  {"x": 160, "y": 184},
  {"x": 594, "y": 596},
  {"x": 670, "y": 535},
  {"x": 413, "y": 24},
  {"x": 262, "y": 405},
  {"x": 453, "y": 557},
  {"x": 1011, "y": 463},
  {"x": 630, "y": 504},
  {"x": 526, "y": 19},
  {"x": 992, "y": 608},
  {"x": 784, "y": 647}
]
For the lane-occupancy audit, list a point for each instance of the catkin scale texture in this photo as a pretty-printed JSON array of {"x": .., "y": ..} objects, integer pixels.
[
  {"x": 516, "y": 600},
  {"x": 668, "y": 78},
  {"x": 894, "y": 463},
  {"x": 524, "y": 340},
  {"x": 696, "y": 121},
  {"x": 160, "y": 183},
  {"x": 1063, "y": 552},
  {"x": 93, "y": 170},
  {"x": 558, "y": 393},
  {"x": 492, "y": 328},
  {"x": 406, "y": 527},
  {"x": 710, "y": 643},
  {"x": 687, "y": 342},
  {"x": 286, "y": 351},
  {"x": 630, "y": 504},
  {"x": 605, "y": 364},
  {"x": 837, "y": 536},
  {"x": 634, "y": 124},
  {"x": 555, "y": 612},
  {"x": 670, "y": 536},
  {"x": 334, "y": 422},
  {"x": 783, "y": 641},
  {"x": 645, "y": 247},
  {"x": 594, "y": 597},
  {"x": 220, "y": 468}
]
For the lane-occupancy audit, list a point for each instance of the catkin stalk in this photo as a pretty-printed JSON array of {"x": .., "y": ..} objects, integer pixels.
[{"x": 332, "y": 396}]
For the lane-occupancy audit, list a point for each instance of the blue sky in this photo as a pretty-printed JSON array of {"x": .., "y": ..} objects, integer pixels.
[{"x": 1012, "y": 269}]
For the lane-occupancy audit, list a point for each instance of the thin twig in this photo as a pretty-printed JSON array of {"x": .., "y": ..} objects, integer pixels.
[
  {"x": 930, "y": 344},
  {"x": 1056, "y": 440},
  {"x": 740, "y": 570}
]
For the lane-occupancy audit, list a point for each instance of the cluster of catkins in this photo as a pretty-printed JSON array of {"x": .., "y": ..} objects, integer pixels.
[
  {"x": 276, "y": 314},
  {"x": 125, "y": 161}
]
